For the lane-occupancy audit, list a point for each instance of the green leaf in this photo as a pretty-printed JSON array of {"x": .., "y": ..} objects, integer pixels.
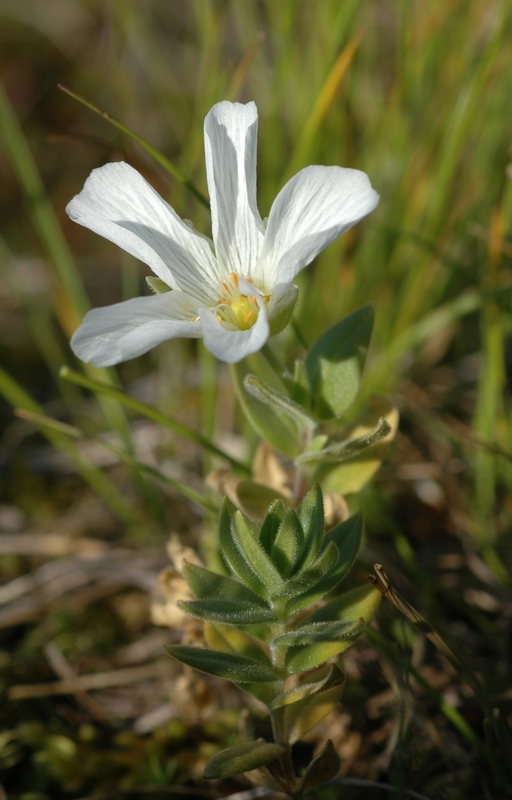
[
  {"x": 311, "y": 515},
  {"x": 324, "y": 766},
  {"x": 304, "y": 583},
  {"x": 314, "y": 632},
  {"x": 254, "y": 554},
  {"x": 335, "y": 363},
  {"x": 288, "y": 428},
  {"x": 228, "y": 610},
  {"x": 350, "y": 476},
  {"x": 242, "y": 758},
  {"x": 232, "y": 555},
  {"x": 360, "y": 602},
  {"x": 236, "y": 668},
  {"x": 342, "y": 451},
  {"x": 273, "y": 415},
  {"x": 270, "y": 526},
  {"x": 206, "y": 584},
  {"x": 233, "y": 640},
  {"x": 288, "y": 544},
  {"x": 347, "y": 538},
  {"x": 303, "y": 658},
  {"x": 298, "y": 710}
]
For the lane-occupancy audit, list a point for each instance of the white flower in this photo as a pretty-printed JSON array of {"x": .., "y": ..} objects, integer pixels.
[{"x": 235, "y": 291}]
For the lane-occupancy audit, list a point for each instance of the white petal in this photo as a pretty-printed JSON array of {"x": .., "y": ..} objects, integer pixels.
[
  {"x": 232, "y": 345},
  {"x": 230, "y": 137},
  {"x": 116, "y": 333},
  {"x": 315, "y": 207},
  {"x": 118, "y": 203}
]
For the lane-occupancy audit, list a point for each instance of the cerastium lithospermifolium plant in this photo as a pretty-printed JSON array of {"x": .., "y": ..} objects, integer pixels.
[{"x": 274, "y": 621}]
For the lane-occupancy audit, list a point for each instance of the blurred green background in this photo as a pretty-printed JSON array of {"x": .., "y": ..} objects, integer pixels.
[{"x": 417, "y": 94}]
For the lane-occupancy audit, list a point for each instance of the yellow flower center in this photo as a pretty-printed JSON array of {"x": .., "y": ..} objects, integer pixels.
[{"x": 240, "y": 310}]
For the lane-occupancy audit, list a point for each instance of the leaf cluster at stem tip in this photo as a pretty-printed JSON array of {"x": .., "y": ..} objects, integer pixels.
[{"x": 264, "y": 621}]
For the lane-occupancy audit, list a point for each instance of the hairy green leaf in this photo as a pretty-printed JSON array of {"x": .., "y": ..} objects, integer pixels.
[
  {"x": 311, "y": 515},
  {"x": 270, "y": 525},
  {"x": 232, "y": 554},
  {"x": 242, "y": 758},
  {"x": 206, "y": 584},
  {"x": 363, "y": 601},
  {"x": 288, "y": 544},
  {"x": 313, "y": 632},
  {"x": 324, "y": 766},
  {"x": 236, "y": 668},
  {"x": 228, "y": 610},
  {"x": 253, "y": 553},
  {"x": 335, "y": 363}
]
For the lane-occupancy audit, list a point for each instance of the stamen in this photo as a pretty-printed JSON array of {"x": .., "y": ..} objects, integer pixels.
[
  {"x": 248, "y": 316},
  {"x": 234, "y": 278}
]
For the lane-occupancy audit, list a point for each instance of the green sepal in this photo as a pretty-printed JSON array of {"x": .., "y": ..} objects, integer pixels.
[
  {"x": 236, "y": 668},
  {"x": 338, "y": 452},
  {"x": 288, "y": 544},
  {"x": 316, "y": 632},
  {"x": 363, "y": 601},
  {"x": 335, "y": 363},
  {"x": 232, "y": 555},
  {"x": 287, "y": 426},
  {"x": 228, "y": 610},
  {"x": 311, "y": 515},
  {"x": 253, "y": 553},
  {"x": 242, "y": 758},
  {"x": 271, "y": 524},
  {"x": 324, "y": 766},
  {"x": 304, "y": 583},
  {"x": 298, "y": 710},
  {"x": 303, "y": 658},
  {"x": 206, "y": 585},
  {"x": 157, "y": 285}
]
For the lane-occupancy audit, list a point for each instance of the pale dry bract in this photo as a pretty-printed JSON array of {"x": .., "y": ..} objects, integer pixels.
[{"x": 236, "y": 290}]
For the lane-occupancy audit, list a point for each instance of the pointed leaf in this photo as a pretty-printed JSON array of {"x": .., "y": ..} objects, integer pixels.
[
  {"x": 305, "y": 583},
  {"x": 335, "y": 363},
  {"x": 350, "y": 476},
  {"x": 298, "y": 710},
  {"x": 232, "y": 555},
  {"x": 288, "y": 544},
  {"x": 288, "y": 427},
  {"x": 324, "y": 766},
  {"x": 304, "y": 658},
  {"x": 157, "y": 285},
  {"x": 313, "y": 632},
  {"x": 347, "y": 537},
  {"x": 255, "y": 556},
  {"x": 228, "y": 610},
  {"x": 311, "y": 515},
  {"x": 338, "y": 452},
  {"x": 242, "y": 758},
  {"x": 206, "y": 584},
  {"x": 233, "y": 640},
  {"x": 236, "y": 668},
  {"x": 271, "y": 524},
  {"x": 360, "y": 602}
]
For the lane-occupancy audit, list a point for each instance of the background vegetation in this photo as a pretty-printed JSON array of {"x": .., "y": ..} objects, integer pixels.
[{"x": 416, "y": 94}]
